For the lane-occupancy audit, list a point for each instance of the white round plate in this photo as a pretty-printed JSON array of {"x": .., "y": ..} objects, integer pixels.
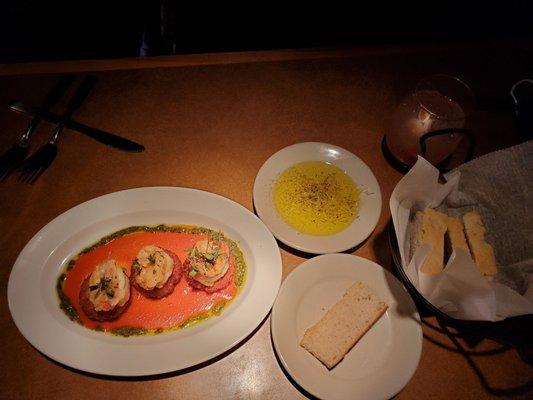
[
  {"x": 357, "y": 232},
  {"x": 385, "y": 358},
  {"x": 35, "y": 308}
]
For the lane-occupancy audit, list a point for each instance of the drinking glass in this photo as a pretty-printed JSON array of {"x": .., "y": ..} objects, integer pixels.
[{"x": 430, "y": 121}]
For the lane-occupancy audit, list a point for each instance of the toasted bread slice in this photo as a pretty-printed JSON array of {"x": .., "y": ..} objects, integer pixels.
[
  {"x": 429, "y": 228},
  {"x": 456, "y": 234},
  {"x": 343, "y": 325},
  {"x": 482, "y": 252}
]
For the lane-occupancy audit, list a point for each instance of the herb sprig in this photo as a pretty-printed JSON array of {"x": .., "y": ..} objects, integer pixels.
[
  {"x": 103, "y": 286},
  {"x": 207, "y": 258}
]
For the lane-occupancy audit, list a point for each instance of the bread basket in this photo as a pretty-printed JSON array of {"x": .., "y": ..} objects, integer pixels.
[{"x": 516, "y": 332}]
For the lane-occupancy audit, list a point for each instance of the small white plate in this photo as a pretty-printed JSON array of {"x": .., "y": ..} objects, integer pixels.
[
  {"x": 356, "y": 233},
  {"x": 34, "y": 304},
  {"x": 385, "y": 358}
]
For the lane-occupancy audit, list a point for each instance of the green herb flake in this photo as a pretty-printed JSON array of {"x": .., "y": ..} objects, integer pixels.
[
  {"x": 136, "y": 266},
  {"x": 104, "y": 284}
]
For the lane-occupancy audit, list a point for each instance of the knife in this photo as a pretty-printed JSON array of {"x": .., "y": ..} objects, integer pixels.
[{"x": 104, "y": 137}]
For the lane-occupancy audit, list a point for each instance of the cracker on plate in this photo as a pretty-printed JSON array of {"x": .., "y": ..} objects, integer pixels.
[{"x": 343, "y": 325}]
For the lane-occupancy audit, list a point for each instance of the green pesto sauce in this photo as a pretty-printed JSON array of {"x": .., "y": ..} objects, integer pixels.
[
  {"x": 127, "y": 331},
  {"x": 64, "y": 301}
]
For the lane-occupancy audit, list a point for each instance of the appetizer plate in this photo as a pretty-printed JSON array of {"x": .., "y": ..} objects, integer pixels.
[
  {"x": 385, "y": 358},
  {"x": 35, "y": 308},
  {"x": 356, "y": 233}
]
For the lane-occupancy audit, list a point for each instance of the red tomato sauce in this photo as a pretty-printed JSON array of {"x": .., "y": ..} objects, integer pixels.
[{"x": 172, "y": 311}]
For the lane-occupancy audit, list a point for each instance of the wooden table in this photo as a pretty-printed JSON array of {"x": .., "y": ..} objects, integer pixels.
[{"x": 209, "y": 122}]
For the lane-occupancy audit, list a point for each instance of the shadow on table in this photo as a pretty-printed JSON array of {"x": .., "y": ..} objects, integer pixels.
[
  {"x": 472, "y": 338},
  {"x": 467, "y": 354},
  {"x": 167, "y": 374}
]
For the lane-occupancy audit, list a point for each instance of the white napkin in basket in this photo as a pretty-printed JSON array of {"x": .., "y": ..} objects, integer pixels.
[{"x": 460, "y": 290}]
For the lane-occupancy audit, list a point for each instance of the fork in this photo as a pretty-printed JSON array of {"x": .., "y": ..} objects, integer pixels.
[
  {"x": 16, "y": 154},
  {"x": 39, "y": 161}
]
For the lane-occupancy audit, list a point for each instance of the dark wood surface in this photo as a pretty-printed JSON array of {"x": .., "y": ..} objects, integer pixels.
[{"x": 210, "y": 126}]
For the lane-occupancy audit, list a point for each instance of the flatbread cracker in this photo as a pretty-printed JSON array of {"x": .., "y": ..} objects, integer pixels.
[{"x": 343, "y": 325}]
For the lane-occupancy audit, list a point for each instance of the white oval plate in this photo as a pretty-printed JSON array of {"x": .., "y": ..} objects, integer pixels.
[
  {"x": 385, "y": 358},
  {"x": 35, "y": 309},
  {"x": 356, "y": 233}
]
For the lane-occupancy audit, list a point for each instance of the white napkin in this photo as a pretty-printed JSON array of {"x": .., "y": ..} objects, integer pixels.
[{"x": 460, "y": 290}]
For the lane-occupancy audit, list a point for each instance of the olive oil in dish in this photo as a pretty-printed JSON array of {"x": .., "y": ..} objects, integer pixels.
[{"x": 316, "y": 198}]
